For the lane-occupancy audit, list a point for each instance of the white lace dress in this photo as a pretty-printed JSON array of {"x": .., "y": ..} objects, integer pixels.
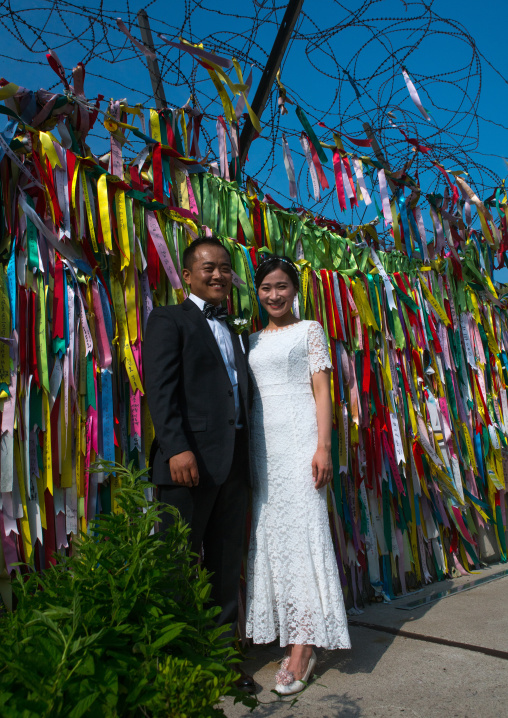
[{"x": 293, "y": 585}]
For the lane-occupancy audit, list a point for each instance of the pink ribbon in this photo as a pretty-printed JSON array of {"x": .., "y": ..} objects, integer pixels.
[
  {"x": 9, "y": 547},
  {"x": 290, "y": 168},
  {"x": 223, "y": 153},
  {"x": 384, "y": 196},
  {"x": 100, "y": 325},
  {"x": 198, "y": 52},
  {"x": 462, "y": 526},
  {"x": 162, "y": 250},
  {"x": 146, "y": 52},
  {"x": 402, "y": 573},
  {"x": 304, "y": 141}
]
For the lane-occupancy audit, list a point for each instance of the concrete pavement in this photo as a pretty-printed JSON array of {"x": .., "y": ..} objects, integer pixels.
[{"x": 385, "y": 675}]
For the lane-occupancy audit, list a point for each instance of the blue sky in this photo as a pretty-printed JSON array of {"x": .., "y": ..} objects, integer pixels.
[{"x": 317, "y": 79}]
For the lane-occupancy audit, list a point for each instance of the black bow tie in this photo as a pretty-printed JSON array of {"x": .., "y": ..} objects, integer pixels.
[{"x": 212, "y": 312}]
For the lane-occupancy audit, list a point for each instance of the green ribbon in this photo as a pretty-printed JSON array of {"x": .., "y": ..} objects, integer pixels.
[
  {"x": 373, "y": 299},
  {"x": 40, "y": 334},
  {"x": 31, "y": 240},
  {"x": 312, "y": 135},
  {"x": 407, "y": 300},
  {"x": 90, "y": 386},
  {"x": 248, "y": 231}
]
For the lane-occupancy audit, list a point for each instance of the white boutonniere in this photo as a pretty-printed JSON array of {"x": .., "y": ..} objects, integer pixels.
[{"x": 237, "y": 324}]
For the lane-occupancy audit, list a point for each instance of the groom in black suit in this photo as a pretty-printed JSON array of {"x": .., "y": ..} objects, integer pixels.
[{"x": 196, "y": 386}]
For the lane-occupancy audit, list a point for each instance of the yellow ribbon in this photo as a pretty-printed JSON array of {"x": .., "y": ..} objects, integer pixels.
[
  {"x": 102, "y": 192},
  {"x": 226, "y": 102},
  {"x": 433, "y": 302},
  {"x": 130, "y": 301},
  {"x": 155, "y": 125},
  {"x": 126, "y": 354},
  {"x": 253, "y": 117},
  {"x": 123, "y": 231},
  {"x": 47, "y": 456},
  {"x": 49, "y": 149},
  {"x": 8, "y": 90},
  {"x": 25, "y": 525}
]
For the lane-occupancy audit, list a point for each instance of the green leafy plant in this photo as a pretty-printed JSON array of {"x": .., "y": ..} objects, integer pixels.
[{"x": 122, "y": 627}]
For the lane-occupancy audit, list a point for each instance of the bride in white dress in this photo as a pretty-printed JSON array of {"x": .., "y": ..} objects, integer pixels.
[{"x": 293, "y": 585}]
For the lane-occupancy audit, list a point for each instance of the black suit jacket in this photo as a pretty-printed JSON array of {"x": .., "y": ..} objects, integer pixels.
[{"x": 189, "y": 393}]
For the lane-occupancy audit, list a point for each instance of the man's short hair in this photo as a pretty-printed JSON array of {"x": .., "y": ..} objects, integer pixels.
[{"x": 190, "y": 251}]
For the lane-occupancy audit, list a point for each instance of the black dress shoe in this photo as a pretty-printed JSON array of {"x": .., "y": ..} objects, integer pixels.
[{"x": 245, "y": 682}]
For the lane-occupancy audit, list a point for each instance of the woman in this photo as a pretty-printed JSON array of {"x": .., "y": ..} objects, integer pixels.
[{"x": 293, "y": 585}]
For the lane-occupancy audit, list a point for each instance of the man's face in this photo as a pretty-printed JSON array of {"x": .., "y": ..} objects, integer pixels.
[{"x": 210, "y": 275}]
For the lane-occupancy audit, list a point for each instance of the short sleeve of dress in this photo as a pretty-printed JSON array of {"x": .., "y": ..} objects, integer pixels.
[{"x": 319, "y": 356}]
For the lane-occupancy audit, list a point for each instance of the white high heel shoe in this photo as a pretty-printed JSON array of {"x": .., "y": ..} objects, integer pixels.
[{"x": 286, "y": 684}]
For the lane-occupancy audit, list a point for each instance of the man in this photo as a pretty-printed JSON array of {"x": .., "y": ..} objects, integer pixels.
[{"x": 196, "y": 386}]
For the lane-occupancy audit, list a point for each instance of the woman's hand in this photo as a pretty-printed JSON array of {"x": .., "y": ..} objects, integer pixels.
[{"x": 322, "y": 468}]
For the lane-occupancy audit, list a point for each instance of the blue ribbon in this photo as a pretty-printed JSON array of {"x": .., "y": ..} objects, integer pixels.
[
  {"x": 11, "y": 284},
  {"x": 108, "y": 434},
  {"x": 478, "y": 455},
  {"x": 106, "y": 311},
  {"x": 66, "y": 313}
]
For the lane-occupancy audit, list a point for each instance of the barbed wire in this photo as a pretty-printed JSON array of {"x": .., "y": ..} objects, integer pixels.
[{"x": 365, "y": 85}]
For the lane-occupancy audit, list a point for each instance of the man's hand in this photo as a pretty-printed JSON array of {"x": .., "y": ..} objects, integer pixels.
[
  {"x": 322, "y": 467},
  {"x": 184, "y": 469}
]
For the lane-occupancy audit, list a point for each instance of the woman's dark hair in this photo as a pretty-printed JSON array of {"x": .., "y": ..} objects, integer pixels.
[{"x": 270, "y": 264}]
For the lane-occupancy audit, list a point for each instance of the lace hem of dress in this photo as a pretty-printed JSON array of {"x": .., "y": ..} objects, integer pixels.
[
  {"x": 321, "y": 366},
  {"x": 319, "y": 354}
]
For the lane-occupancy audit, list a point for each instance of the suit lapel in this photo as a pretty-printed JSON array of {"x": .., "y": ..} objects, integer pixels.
[{"x": 198, "y": 318}]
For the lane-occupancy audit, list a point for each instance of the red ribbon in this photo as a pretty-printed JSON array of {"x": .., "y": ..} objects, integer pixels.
[
  {"x": 337, "y": 169},
  {"x": 345, "y": 305},
  {"x": 194, "y": 150},
  {"x": 23, "y": 325},
  {"x": 50, "y": 532},
  {"x": 32, "y": 313},
  {"x": 453, "y": 187},
  {"x": 135, "y": 178},
  {"x": 256, "y": 217},
  {"x": 328, "y": 302},
  {"x": 58, "y": 302},
  {"x": 359, "y": 143},
  {"x": 315, "y": 292},
  {"x": 435, "y": 338},
  {"x": 486, "y": 411},
  {"x": 153, "y": 263},
  {"x": 158, "y": 191},
  {"x": 366, "y": 361},
  {"x": 317, "y": 164},
  {"x": 56, "y": 65}
]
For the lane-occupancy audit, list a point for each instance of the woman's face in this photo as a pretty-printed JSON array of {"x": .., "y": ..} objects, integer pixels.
[{"x": 276, "y": 293}]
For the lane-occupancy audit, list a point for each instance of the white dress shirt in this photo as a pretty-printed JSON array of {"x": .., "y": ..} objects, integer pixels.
[{"x": 225, "y": 343}]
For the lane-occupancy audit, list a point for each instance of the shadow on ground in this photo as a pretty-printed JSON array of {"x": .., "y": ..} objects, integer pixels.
[{"x": 384, "y": 675}]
